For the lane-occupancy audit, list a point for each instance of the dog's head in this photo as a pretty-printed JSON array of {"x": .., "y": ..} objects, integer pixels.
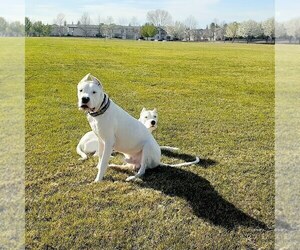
[
  {"x": 149, "y": 118},
  {"x": 90, "y": 93}
]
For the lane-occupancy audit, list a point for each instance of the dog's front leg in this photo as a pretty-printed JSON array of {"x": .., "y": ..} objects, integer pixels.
[
  {"x": 103, "y": 162},
  {"x": 99, "y": 151}
]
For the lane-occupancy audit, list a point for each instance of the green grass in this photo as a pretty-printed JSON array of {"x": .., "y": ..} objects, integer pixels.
[
  {"x": 287, "y": 146},
  {"x": 12, "y": 146},
  {"x": 214, "y": 100}
]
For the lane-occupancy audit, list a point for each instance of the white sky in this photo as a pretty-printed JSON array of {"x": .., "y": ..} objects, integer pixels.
[{"x": 205, "y": 11}]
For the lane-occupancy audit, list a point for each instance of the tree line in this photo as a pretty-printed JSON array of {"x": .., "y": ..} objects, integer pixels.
[
  {"x": 37, "y": 28},
  {"x": 11, "y": 28},
  {"x": 157, "y": 20}
]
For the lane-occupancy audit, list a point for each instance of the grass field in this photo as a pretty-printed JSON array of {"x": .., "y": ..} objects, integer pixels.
[
  {"x": 12, "y": 146},
  {"x": 214, "y": 100}
]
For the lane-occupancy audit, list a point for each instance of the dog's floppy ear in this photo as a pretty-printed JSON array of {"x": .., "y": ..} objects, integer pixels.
[
  {"x": 97, "y": 81},
  {"x": 143, "y": 110}
]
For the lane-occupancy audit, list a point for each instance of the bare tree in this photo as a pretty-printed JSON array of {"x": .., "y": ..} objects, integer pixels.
[
  {"x": 85, "y": 21},
  {"x": 108, "y": 27},
  {"x": 133, "y": 21},
  {"x": 135, "y": 25},
  {"x": 159, "y": 18},
  {"x": 59, "y": 21},
  {"x": 190, "y": 27},
  {"x": 122, "y": 21},
  {"x": 221, "y": 32},
  {"x": 176, "y": 30}
]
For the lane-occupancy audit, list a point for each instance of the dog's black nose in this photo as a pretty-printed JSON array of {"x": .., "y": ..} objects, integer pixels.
[
  {"x": 85, "y": 99},
  {"x": 152, "y": 122}
]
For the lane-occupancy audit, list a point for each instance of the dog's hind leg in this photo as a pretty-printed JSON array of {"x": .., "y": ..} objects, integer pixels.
[
  {"x": 144, "y": 162},
  {"x": 81, "y": 153},
  {"x": 140, "y": 173}
]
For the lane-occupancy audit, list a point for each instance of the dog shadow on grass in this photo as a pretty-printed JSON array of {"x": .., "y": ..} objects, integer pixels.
[{"x": 205, "y": 201}]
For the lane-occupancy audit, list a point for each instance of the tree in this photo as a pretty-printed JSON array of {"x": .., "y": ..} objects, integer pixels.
[
  {"x": 3, "y": 26},
  {"x": 190, "y": 27},
  {"x": 47, "y": 30},
  {"x": 232, "y": 30},
  {"x": 176, "y": 30},
  {"x": 293, "y": 29},
  {"x": 213, "y": 27},
  {"x": 59, "y": 21},
  {"x": 148, "y": 30},
  {"x": 100, "y": 27},
  {"x": 134, "y": 22},
  {"x": 159, "y": 18},
  {"x": 15, "y": 29},
  {"x": 38, "y": 28},
  {"x": 108, "y": 27},
  {"x": 280, "y": 30},
  {"x": 122, "y": 21},
  {"x": 85, "y": 21},
  {"x": 221, "y": 31},
  {"x": 28, "y": 25},
  {"x": 249, "y": 29},
  {"x": 297, "y": 31},
  {"x": 268, "y": 28}
]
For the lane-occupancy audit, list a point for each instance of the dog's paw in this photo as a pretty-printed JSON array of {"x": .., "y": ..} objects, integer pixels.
[
  {"x": 97, "y": 180},
  {"x": 131, "y": 178},
  {"x": 82, "y": 159}
]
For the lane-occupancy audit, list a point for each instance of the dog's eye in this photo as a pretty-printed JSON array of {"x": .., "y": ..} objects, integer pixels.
[
  {"x": 94, "y": 92},
  {"x": 80, "y": 90},
  {"x": 146, "y": 117},
  {"x": 154, "y": 116}
]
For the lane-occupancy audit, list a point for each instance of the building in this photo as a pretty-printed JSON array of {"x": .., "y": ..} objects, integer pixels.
[
  {"x": 131, "y": 32},
  {"x": 101, "y": 30}
]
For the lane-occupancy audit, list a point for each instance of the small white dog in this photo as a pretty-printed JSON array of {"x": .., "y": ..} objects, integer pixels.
[
  {"x": 150, "y": 119},
  {"x": 88, "y": 144},
  {"x": 118, "y": 130}
]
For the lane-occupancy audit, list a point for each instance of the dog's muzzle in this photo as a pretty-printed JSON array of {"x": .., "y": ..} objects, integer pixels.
[
  {"x": 84, "y": 106},
  {"x": 85, "y": 100}
]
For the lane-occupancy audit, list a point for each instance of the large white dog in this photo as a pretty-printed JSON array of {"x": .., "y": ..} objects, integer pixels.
[
  {"x": 116, "y": 129},
  {"x": 88, "y": 144}
]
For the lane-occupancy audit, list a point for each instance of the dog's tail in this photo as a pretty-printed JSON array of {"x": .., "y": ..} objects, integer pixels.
[
  {"x": 169, "y": 148},
  {"x": 81, "y": 153},
  {"x": 182, "y": 164}
]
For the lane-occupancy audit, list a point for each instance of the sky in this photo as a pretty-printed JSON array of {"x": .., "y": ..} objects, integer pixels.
[{"x": 122, "y": 11}]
